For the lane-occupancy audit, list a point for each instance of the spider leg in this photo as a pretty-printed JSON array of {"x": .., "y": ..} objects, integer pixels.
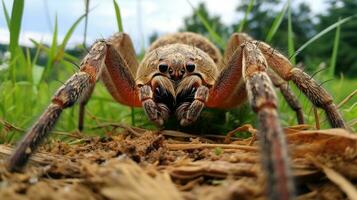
[
  {"x": 246, "y": 74},
  {"x": 228, "y": 90},
  {"x": 78, "y": 86},
  {"x": 239, "y": 94},
  {"x": 315, "y": 93},
  {"x": 122, "y": 43},
  {"x": 263, "y": 100},
  {"x": 191, "y": 99},
  {"x": 288, "y": 95}
]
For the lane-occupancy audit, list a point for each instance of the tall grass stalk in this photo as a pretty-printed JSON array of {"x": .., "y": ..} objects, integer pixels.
[
  {"x": 242, "y": 23},
  {"x": 6, "y": 13},
  {"x": 277, "y": 21},
  {"x": 291, "y": 48},
  {"x": 57, "y": 52},
  {"x": 323, "y": 32},
  {"x": 118, "y": 16},
  {"x": 213, "y": 34},
  {"x": 15, "y": 28},
  {"x": 334, "y": 51},
  {"x": 121, "y": 29},
  {"x": 86, "y": 12}
]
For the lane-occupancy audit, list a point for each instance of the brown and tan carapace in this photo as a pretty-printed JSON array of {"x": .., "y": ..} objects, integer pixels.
[{"x": 180, "y": 75}]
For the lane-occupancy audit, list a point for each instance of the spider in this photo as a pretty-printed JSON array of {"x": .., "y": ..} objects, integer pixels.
[{"x": 183, "y": 73}]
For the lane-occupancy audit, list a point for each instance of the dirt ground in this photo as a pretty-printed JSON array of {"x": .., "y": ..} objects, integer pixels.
[{"x": 141, "y": 164}]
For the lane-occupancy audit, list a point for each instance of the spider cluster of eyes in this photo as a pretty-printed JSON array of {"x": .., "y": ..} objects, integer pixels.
[
  {"x": 176, "y": 76},
  {"x": 164, "y": 68}
]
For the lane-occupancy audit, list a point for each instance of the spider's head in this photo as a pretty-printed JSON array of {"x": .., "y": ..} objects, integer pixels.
[
  {"x": 176, "y": 62},
  {"x": 174, "y": 72},
  {"x": 175, "y": 67}
]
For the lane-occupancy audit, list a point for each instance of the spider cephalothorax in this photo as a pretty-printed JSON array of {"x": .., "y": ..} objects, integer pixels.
[{"x": 180, "y": 75}]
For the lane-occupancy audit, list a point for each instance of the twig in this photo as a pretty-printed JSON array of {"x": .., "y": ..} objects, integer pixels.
[
  {"x": 345, "y": 100},
  {"x": 10, "y": 127},
  {"x": 221, "y": 137},
  {"x": 96, "y": 120},
  {"x": 128, "y": 128},
  {"x": 39, "y": 158},
  {"x": 247, "y": 127},
  {"x": 317, "y": 118},
  {"x": 352, "y": 122},
  {"x": 200, "y": 146},
  {"x": 180, "y": 134}
]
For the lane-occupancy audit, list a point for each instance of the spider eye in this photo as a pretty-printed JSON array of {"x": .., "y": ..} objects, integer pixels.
[
  {"x": 190, "y": 67},
  {"x": 163, "y": 67},
  {"x": 182, "y": 71}
]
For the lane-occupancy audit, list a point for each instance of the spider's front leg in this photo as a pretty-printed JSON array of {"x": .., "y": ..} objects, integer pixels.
[
  {"x": 263, "y": 100},
  {"x": 191, "y": 99},
  {"x": 234, "y": 44},
  {"x": 313, "y": 90},
  {"x": 157, "y": 98},
  {"x": 78, "y": 87},
  {"x": 246, "y": 75}
]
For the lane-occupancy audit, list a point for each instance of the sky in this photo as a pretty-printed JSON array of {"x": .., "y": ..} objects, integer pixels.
[{"x": 140, "y": 18}]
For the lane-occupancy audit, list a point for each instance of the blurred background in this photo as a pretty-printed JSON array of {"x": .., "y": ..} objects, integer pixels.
[{"x": 41, "y": 41}]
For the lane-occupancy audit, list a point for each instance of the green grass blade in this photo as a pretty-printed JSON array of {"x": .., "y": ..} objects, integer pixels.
[
  {"x": 35, "y": 58},
  {"x": 6, "y": 13},
  {"x": 132, "y": 112},
  {"x": 47, "y": 50},
  {"x": 52, "y": 52},
  {"x": 118, "y": 15},
  {"x": 54, "y": 39},
  {"x": 36, "y": 76},
  {"x": 121, "y": 29},
  {"x": 15, "y": 27},
  {"x": 208, "y": 27},
  {"x": 334, "y": 51},
  {"x": 242, "y": 23},
  {"x": 70, "y": 32},
  {"x": 291, "y": 48},
  {"x": 276, "y": 23},
  {"x": 323, "y": 32},
  {"x": 61, "y": 51},
  {"x": 15, "y": 24},
  {"x": 86, "y": 2},
  {"x": 28, "y": 65}
]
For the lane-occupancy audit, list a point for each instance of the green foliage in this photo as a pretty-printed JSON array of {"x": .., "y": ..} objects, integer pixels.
[
  {"x": 322, "y": 33},
  {"x": 249, "y": 9},
  {"x": 17, "y": 57},
  {"x": 56, "y": 53},
  {"x": 22, "y": 82},
  {"x": 210, "y": 26},
  {"x": 264, "y": 22},
  {"x": 15, "y": 24},
  {"x": 218, "y": 151},
  {"x": 262, "y": 19},
  {"x": 6, "y": 13},
  {"x": 291, "y": 48},
  {"x": 277, "y": 21},
  {"x": 118, "y": 16},
  {"x": 121, "y": 29},
  {"x": 347, "y": 63},
  {"x": 334, "y": 51}
]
